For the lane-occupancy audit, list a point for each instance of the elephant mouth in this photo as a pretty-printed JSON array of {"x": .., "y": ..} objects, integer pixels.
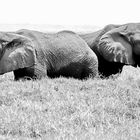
[{"x": 136, "y": 47}]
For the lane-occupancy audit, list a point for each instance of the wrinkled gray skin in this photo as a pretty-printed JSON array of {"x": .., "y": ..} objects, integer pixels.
[
  {"x": 35, "y": 54},
  {"x": 93, "y": 38},
  {"x": 122, "y": 44},
  {"x": 115, "y": 46}
]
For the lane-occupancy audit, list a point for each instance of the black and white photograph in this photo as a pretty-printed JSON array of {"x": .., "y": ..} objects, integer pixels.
[{"x": 70, "y": 70}]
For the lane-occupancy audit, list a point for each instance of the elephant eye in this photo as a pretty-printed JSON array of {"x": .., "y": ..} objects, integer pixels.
[
  {"x": 13, "y": 43},
  {"x": 10, "y": 45}
]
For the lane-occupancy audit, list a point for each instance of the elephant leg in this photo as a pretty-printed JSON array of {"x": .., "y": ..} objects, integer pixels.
[
  {"x": 24, "y": 73},
  {"x": 78, "y": 70},
  {"x": 86, "y": 73},
  {"x": 108, "y": 68},
  {"x": 137, "y": 60},
  {"x": 29, "y": 73},
  {"x": 72, "y": 70},
  {"x": 90, "y": 69}
]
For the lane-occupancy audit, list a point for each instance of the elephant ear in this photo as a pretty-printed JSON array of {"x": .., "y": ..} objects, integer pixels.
[
  {"x": 115, "y": 46},
  {"x": 16, "y": 53}
]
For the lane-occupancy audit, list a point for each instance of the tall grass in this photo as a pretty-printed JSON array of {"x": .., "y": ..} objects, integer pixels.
[{"x": 61, "y": 108}]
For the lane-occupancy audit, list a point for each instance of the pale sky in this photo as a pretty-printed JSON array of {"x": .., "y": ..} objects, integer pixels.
[{"x": 44, "y": 14}]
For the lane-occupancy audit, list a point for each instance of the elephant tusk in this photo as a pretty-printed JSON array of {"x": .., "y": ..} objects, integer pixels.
[
  {"x": 121, "y": 60},
  {"x": 115, "y": 60}
]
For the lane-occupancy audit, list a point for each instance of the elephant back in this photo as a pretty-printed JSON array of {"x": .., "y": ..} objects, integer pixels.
[{"x": 66, "y": 32}]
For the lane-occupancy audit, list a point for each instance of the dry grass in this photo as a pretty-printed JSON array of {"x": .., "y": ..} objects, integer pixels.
[{"x": 71, "y": 109}]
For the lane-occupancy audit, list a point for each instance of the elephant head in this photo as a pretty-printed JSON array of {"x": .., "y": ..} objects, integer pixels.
[
  {"x": 16, "y": 51},
  {"x": 121, "y": 44}
]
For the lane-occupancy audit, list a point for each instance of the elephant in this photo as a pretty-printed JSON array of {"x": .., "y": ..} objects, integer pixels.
[
  {"x": 121, "y": 45},
  {"x": 115, "y": 46},
  {"x": 92, "y": 40},
  {"x": 33, "y": 54}
]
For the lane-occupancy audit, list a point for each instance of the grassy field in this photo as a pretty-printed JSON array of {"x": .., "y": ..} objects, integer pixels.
[{"x": 69, "y": 109}]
